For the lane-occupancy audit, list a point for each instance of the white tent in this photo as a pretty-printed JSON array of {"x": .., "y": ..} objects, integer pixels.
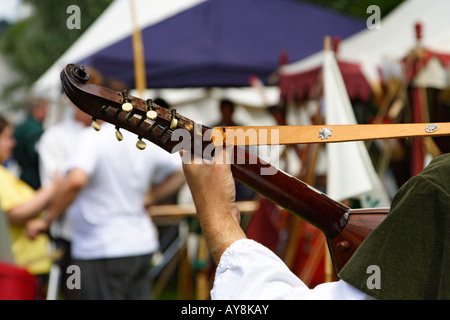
[
  {"x": 374, "y": 48},
  {"x": 350, "y": 172}
]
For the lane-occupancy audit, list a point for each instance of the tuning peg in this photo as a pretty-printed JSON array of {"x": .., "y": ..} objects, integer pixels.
[
  {"x": 141, "y": 145},
  {"x": 173, "y": 123},
  {"x": 127, "y": 107},
  {"x": 119, "y": 135},
  {"x": 95, "y": 125},
  {"x": 152, "y": 115}
]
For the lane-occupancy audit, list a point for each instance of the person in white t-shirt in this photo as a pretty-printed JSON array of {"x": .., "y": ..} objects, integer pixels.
[
  {"x": 54, "y": 148},
  {"x": 107, "y": 187}
]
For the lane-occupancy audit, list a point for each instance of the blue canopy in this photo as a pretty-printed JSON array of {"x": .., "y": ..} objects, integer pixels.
[{"x": 223, "y": 42}]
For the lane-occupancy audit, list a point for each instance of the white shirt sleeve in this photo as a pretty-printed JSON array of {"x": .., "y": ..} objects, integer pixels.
[{"x": 247, "y": 270}]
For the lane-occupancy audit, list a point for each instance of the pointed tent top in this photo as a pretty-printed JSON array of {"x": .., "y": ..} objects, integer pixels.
[
  {"x": 417, "y": 59},
  {"x": 418, "y": 27}
]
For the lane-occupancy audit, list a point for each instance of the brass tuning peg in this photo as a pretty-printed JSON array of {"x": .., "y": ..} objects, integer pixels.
[
  {"x": 173, "y": 123},
  {"x": 119, "y": 135},
  {"x": 141, "y": 145},
  {"x": 95, "y": 125},
  {"x": 152, "y": 115},
  {"x": 127, "y": 107}
]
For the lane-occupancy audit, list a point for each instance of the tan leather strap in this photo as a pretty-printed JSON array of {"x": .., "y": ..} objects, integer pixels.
[{"x": 283, "y": 135}]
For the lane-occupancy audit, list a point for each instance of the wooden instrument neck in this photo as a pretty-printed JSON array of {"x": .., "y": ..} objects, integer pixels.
[{"x": 290, "y": 193}]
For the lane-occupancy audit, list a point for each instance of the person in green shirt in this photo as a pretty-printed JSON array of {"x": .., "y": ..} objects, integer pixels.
[{"x": 27, "y": 135}]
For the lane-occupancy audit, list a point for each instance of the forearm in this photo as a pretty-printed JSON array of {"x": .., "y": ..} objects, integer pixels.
[
  {"x": 220, "y": 228},
  {"x": 167, "y": 188},
  {"x": 213, "y": 192},
  {"x": 65, "y": 196},
  {"x": 68, "y": 190},
  {"x": 33, "y": 207}
]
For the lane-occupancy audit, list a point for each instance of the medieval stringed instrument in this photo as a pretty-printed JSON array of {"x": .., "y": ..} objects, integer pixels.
[{"x": 344, "y": 228}]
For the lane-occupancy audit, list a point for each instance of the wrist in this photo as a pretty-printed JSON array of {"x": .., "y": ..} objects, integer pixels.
[
  {"x": 220, "y": 231},
  {"x": 46, "y": 218}
]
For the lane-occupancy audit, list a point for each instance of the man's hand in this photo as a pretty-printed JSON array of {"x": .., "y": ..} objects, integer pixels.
[
  {"x": 213, "y": 190},
  {"x": 35, "y": 227}
]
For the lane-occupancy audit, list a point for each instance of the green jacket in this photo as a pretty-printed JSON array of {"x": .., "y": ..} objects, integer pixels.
[
  {"x": 27, "y": 135},
  {"x": 410, "y": 249}
]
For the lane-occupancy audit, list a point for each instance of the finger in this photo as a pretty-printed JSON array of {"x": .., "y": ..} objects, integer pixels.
[
  {"x": 188, "y": 157},
  {"x": 223, "y": 154}
]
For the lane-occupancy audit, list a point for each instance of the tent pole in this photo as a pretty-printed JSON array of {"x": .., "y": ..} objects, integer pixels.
[
  {"x": 328, "y": 266},
  {"x": 138, "y": 50}
]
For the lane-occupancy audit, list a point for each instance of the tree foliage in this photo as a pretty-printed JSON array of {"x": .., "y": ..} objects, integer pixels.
[{"x": 32, "y": 45}]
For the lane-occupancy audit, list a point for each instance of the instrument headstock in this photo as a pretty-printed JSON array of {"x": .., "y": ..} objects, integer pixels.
[{"x": 143, "y": 117}]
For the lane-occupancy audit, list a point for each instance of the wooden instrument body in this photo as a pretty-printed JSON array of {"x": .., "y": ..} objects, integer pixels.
[
  {"x": 360, "y": 223},
  {"x": 343, "y": 227}
]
